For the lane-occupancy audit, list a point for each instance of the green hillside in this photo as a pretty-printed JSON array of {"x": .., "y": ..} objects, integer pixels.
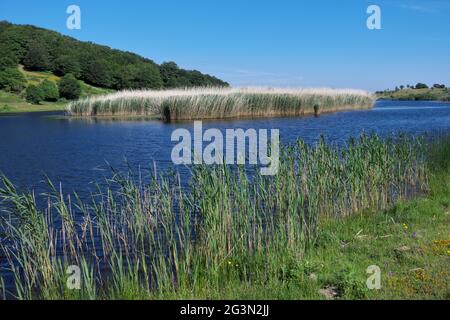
[
  {"x": 34, "y": 60},
  {"x": 16, "y": 102},
  {"x": 37, "y": 77},
  {"x": 45, "y": 50}
]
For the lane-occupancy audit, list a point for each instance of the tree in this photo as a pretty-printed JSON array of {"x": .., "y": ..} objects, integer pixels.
[
  {"x": 11, "y": 79},
  {"x": 49, "y": 90},
  {"x": 97, "y": 72},
  {"x": 95, "y": 64},
  {"x": 34, "y": 94},
  {"x": 421, "y": 86},
  {"x": 122, "y": 77},
  {"x": 69, "y": 87},
  {"x": 66, "y": 64},
  {"x": 146, "y": 76},
  {"x": 7, "y": 62},
  {"x": 37, "y": 57},
  {"x": 13, "y": 42},
  {"x": 170, "y": 73}
]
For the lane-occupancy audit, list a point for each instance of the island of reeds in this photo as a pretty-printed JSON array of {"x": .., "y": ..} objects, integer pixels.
[
  {"x": 220, "y": 103},
  {"x": 309, "y": 232}
]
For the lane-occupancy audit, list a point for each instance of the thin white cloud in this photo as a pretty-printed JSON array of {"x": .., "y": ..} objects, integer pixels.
[
  {"x": 241, "y": 77},
  {"x": 418, "y": 8},
  {"x": 429, "y": 7}
]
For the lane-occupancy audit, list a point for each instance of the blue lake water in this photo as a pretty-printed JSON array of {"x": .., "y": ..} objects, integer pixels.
[{"x": 75, "y": 151}]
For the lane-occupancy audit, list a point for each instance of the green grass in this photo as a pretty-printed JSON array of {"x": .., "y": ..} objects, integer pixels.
[
  {"x": 417, "y": 94},
  {"x": 89, "y": 91},
  {"x": 318, "y": 224},
  {"x": 36, "y": 77},
  {"x": 15, "y": 103},
  {"x": 414, "y": 262}
]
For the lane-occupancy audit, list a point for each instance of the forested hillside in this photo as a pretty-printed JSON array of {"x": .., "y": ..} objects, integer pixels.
[{"x": 39, "y": 49}]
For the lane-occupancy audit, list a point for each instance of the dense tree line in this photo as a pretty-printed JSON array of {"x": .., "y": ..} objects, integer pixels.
[
  {"x": 419, "y": 85},
  {"x": 44, "y": 50}
]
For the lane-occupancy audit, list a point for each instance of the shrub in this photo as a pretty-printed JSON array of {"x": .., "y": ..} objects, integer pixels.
[
  {"x": 49, "y": 90},
  {"x": 34, "y": 94},
  {"x": 11, "y": 79},
  {"x": 69, "y": 87}
]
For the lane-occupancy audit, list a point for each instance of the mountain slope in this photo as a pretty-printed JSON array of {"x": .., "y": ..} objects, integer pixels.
[{"x": 45, "y": 50}]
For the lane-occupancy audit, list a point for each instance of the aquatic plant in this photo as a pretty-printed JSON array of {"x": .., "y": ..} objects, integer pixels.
[
  {"x": 215, "y": 103},
  {"x": 138, "y": 239}
]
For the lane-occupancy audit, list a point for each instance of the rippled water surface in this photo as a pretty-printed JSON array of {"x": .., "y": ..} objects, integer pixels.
[{"x": 76, "y": 151}]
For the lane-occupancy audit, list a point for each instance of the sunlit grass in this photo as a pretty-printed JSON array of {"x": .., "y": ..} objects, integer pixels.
[{"x": 12, "y": 103}]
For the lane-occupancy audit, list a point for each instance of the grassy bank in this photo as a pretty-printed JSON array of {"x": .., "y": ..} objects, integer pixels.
[
  {"x": 36, "y": 77},
  {"x": 217, "y": 103},
  {"x": 16, "y": 103},
  {"x": 13, "y": 103},
  {"x": 312, "y": 227},
  {"x": 433, "y": 94}
]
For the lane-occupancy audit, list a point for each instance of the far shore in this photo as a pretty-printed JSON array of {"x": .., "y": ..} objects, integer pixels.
[{"x": 11, "y": 105}]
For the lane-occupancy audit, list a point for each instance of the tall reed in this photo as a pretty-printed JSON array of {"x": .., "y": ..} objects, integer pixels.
[
  {"x": 157, "y": 239},
  {"x": 208, "y": 103}
]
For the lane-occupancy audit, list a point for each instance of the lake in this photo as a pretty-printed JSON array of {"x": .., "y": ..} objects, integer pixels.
[{"x": 75, "y": 152}]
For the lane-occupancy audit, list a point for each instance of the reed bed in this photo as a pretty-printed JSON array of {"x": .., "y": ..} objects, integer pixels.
[
  {"x": 219, "y": 103},
  {"x": 158, "y": 239}
]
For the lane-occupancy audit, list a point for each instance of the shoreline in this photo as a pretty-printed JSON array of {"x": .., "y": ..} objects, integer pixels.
[
  {"x": 323, "y": 257},
  {"x": 31, "y": 109},
  {"x": 63, "y": 107},
  {"x": 426, "y": 100}
]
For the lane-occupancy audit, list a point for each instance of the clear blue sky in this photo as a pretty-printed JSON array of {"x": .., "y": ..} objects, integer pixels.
[{"x": 271, "y": 43}]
